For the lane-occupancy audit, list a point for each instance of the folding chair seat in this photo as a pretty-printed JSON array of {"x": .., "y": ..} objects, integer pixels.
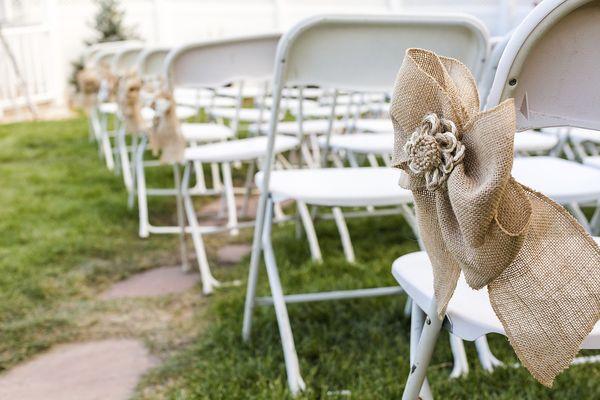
[
  {"x": 549, "y": 51},
  {"x": 206, "y": 132},
  {"x": 238, "y": 150},
  {"x": 469, "y": 313},
  {"x": 338, "y": 187},
  {"x": 374, "y": 125},
  {"x": 324, "y": 111},
  {"x": 243, "y": 114},
  {"x": 211, "y": 65},
  {"x": 531, "y": 141},
  {"x": 345, "y": 48},
  {"x": 564, "y": 181},
  {"x": 586, "y": 145},
  {"x": 309, "y": 126},
  {"x": 372, "y": 144}
]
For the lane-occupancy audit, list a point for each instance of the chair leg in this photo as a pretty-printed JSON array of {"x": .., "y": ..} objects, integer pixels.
[
  {"x": 208, "y": 281},
  {"x": 579, "y": 215},
  {"x": 308, "y": 158},
  {"x": 180, "y": 219},
  {"x": 424, "y": 351},
  {"x": 344, "y": 234},
  {"x": 416, "y": 327},
  {"x": 595, "y": 221},
  {"x": 309, "y": 228},
  {"x": 372, "y": 160},
  {"x": 132, "y": 193},
  {"x": 248, "y": 188},
  {"x": 216, "y": 177},
  {"x": 252, "y": 281},
  {"x": 292, "y": 366},
  {"x": 107, "y": 149},
  {"x": 124, "y": 157},
  {"x": 352, "y": 159},
  {"x": 232, "y": 219},
  {"x": 486, "y": 357},
  {"x": 461, "y": 365},
  {"x": 144, "y": 229}
]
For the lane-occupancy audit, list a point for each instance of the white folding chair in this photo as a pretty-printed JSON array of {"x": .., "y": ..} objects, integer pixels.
[
  {"x": 122, "y": 63},
  {"x": 150, "y": 65},
  {"x": 104, "y": 108},
  {"x": 552, "y": 78},
  {"x": 341, "y": 53},
  {"x": 212, "y": 65}
]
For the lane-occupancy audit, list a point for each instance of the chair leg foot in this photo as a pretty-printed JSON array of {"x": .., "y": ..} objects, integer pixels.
[
  {"x": 486, "y": 358},
  {"x": 461, "y": 365}
]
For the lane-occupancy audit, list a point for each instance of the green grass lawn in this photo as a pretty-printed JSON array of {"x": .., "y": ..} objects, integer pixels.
[{"x": 66, "y": 234}]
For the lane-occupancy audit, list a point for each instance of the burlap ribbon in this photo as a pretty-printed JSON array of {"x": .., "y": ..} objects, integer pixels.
[
  {"x": 88, "y": 80},
  {"x": 538, "y": 263},
  {"x": 128, "y": 98},
  {"x": 165, "y": 135},
  {"x": 108, "y": 82}
]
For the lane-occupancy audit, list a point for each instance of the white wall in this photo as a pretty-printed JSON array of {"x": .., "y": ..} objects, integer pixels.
[{"x": 174, "y": 22}]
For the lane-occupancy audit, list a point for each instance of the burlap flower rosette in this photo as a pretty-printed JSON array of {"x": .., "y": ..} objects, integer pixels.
[{"x": 539, "y": 265}]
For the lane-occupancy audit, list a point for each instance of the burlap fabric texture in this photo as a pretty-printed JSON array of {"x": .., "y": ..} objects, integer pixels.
[
  {"x": 88, "y": 80},
  {"x": 165, "y": 134},
  {"x": 539, "y": 265},
  {"x": 128, "y": 97}
]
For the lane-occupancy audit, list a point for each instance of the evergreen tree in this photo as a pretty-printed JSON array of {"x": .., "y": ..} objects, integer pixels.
[
  {"x": 108, "y": 22},
  {"x": 109, "y": 26}
]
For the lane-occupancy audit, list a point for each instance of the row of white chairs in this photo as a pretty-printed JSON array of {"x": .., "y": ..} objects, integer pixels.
[{"x": 359, "y": 57}]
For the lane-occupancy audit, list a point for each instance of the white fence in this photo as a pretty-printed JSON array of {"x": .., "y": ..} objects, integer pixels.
[
  {"x": 31, "y": 47},
  {"x": 45, "y": 51}
]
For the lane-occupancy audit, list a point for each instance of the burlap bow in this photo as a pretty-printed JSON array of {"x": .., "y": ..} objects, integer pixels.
[
  {"x": 165, "y": 135},
  {"x": 540, "y": 266},
  {"x": 128, "y": 98},
  {"x": 88, "y": 81}
]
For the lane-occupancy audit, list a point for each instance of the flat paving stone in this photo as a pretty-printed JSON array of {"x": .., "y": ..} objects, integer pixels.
[
  {"x": 99, "y": 370},
  {"x": 210, "y": 210},
  {"x": 152, "y": 283},
  {"x": 233, "y": 253}
]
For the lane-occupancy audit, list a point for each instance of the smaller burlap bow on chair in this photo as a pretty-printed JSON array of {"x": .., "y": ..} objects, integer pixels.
[
  {"x": 539, "y": 265},
  {"x": 88, "y": 81},
  {"x": 128, "y": 98},
  {"x": 165, "y": 134}
]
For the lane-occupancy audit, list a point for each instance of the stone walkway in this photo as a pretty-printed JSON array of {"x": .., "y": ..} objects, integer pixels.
[
  {"x": 104, "y": 369},
  {"x": 99, "y": 370},
  {"x": 154, "y": 282}
]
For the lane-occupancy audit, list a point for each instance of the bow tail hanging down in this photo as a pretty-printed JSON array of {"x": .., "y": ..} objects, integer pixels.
[{"x": 539, "y": 264}]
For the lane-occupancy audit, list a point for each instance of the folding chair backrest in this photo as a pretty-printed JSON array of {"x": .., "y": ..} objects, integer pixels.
[
  {"x": 103, "y": 57},
  {"x": 125, "y": 59},
  {"x": 216, "y": 63},
  {"x": 91, "y": 52},
  {"x": 151, "y": 61},
  {"x": 550, "y": 66},
  {"x": 364, "y": 53}
]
